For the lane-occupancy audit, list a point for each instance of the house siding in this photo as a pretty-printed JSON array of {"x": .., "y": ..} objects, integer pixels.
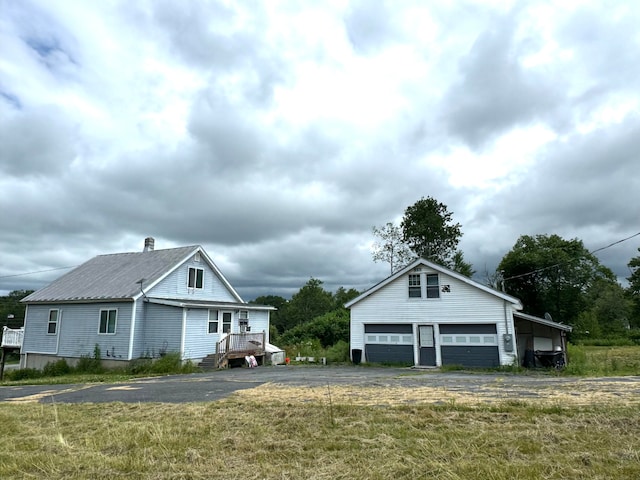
[
  {"x": 463, "y": 304},
  {"x": 162, "y": 330},
  {"x": 78, "y": 331},
  {"x": 174, "y": 286},
  {"x": 197, "y": 342}
]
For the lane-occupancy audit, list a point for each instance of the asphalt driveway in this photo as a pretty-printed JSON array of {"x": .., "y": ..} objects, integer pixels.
[{"x": 204, "y": 387}]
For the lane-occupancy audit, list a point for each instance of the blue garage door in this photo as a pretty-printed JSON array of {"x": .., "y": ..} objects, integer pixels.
[
  {"x": 469, "y": 345},
  {"x": 389, "y": 343}
]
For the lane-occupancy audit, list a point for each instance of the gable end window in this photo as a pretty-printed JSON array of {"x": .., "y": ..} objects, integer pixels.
[
  {"x": 52, "y": 324},
  {"x": 108, "y": 319},
  {"x": 195, "y": 278},
  {"x": 415, "y": 290},
  {"x": 433, "y": 285}
]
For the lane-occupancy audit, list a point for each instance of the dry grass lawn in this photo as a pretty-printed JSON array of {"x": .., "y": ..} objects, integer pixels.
[{"x": 273, "y": 432}]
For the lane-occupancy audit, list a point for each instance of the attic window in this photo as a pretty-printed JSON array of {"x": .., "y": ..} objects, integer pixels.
[
  {"x": 415, "y": 290},
  {"x": 196, "y": 257},
  {"x": 195, "y": 278},
  {"x": 433, "y": 289}
]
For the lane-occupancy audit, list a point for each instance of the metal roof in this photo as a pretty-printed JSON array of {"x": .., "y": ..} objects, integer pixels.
[
  {"x": 113, "y": 277},
  {"x": 543, "y": 321}
]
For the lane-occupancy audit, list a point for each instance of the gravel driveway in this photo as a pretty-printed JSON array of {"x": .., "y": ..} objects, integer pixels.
[{"x": 431, "y": 385}]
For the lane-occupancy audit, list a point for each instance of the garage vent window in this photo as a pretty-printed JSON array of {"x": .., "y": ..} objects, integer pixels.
[
  {"x": 469, "y": 340},
  {"x": 388, "y": 338}
]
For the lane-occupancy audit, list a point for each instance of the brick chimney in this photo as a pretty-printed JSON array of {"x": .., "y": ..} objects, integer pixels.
[{"x": 149, "y": 243}]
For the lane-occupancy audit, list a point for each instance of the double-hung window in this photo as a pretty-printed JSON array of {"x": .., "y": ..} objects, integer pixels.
[
  {"x": 243, "y": 320},
  {"x": 195, "y": 278},
  {"x": 52, "y": 324},
  {"x": 415, "y": 290},
  {"x": 213, "y": 321},
  {"x": 108, "y": 319},
  {"x": 433, "y": 286},
  {"x": 226, "y": 322}
]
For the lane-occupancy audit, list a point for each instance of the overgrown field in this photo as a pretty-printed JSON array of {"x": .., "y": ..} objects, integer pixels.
[
  {"x": 597, "y": 361},
  {"x": 274, "y": 432}
]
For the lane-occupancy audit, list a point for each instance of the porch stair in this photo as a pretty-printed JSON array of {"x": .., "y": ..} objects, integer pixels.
[{"x": 209, "y": 362}]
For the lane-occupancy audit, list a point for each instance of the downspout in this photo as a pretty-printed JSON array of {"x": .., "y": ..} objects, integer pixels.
[
  {"x": 184, "y": 332},
  {"x": 133, "y": 329},
  {"x": 24, "y": 325},
  {"x": 58, "y": 331}
]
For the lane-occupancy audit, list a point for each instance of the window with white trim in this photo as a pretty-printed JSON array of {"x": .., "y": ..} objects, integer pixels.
[
  {"x": 108, "y": 320},
  {"x": 243, "y": 320},
  {"x": 415, "y": 290},
  {"x": 433, "y": 285},
  {"x": 195, "y": 278},
  {"x": 52, "y": 324},
  {"x": 226, "y": 322},
  {"x": 213, "y": 323}
]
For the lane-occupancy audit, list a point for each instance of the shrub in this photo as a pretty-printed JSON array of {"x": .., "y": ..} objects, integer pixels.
[
  {"x": 169, "y": 363},
  {"x": 23, "y": 374},
  {"x": 56, "y": 369},
  {"x": 139, "y": 366},
  {"x": 90, "y": 364},
  {"x": 338, "y": 353}
]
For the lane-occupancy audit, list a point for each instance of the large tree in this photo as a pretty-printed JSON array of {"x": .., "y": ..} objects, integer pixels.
[
  {"x": 429, "y": 231},
  {"x": 391, "y": 248},
  {"x": 278, "y": 318},
  {"x": 311, "y": 301},
  {"x": 553, "y": 275},
  {"x": 633, "y": 290},
  {"x": 11, "y": 310}
]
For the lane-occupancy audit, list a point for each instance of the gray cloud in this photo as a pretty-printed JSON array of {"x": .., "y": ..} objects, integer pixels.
[
  {"x": 187, "y": 123},
  {"x": 495, "y": 93}
]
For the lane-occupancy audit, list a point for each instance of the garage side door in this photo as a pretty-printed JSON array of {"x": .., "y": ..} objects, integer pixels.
[
  {"x": 469, "y": 345},
  {"x": 388, "y": 343}
]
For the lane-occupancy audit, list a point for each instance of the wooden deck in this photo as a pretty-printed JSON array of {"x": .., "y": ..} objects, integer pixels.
[
  {"x": 11, "y": 340},
  {"x": 239, "y": 345},
  {"x": 12, "y": 337}
]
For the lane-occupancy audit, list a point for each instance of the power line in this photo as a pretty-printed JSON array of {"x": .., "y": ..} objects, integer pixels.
[
  {"x": 615, "y": 243},
  {"x": 567, "y": 261},
  {"x": 38, "y": 271}
]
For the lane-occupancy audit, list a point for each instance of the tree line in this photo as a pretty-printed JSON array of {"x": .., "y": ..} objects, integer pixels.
[{"x": 552, "y": 277}]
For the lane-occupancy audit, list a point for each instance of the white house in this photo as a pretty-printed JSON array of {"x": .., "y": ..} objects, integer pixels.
[
  {"x": 428, "y": 315},
  {"x": 138, "y": 304}
]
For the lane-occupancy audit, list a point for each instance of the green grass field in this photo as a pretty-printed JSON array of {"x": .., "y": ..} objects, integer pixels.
[
  {"x": 240, "y": 438},
  {"x": 277, "y": 432}
]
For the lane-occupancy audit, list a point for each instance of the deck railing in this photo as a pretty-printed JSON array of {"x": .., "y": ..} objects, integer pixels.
[
  {"x": 238, "y": 345},
  {"x": 12, "y": 337}
]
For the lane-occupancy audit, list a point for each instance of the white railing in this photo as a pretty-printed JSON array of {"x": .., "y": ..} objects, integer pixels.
[{"x": 12, "y": 337}]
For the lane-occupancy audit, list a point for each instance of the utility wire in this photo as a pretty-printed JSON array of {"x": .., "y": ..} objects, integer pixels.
[
  {"x": 567, "y": 261},
  {"x": 39, "y": 271}
]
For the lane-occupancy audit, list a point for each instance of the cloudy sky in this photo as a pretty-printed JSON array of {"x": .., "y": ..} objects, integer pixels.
[{"x": 276, "y": 134}]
